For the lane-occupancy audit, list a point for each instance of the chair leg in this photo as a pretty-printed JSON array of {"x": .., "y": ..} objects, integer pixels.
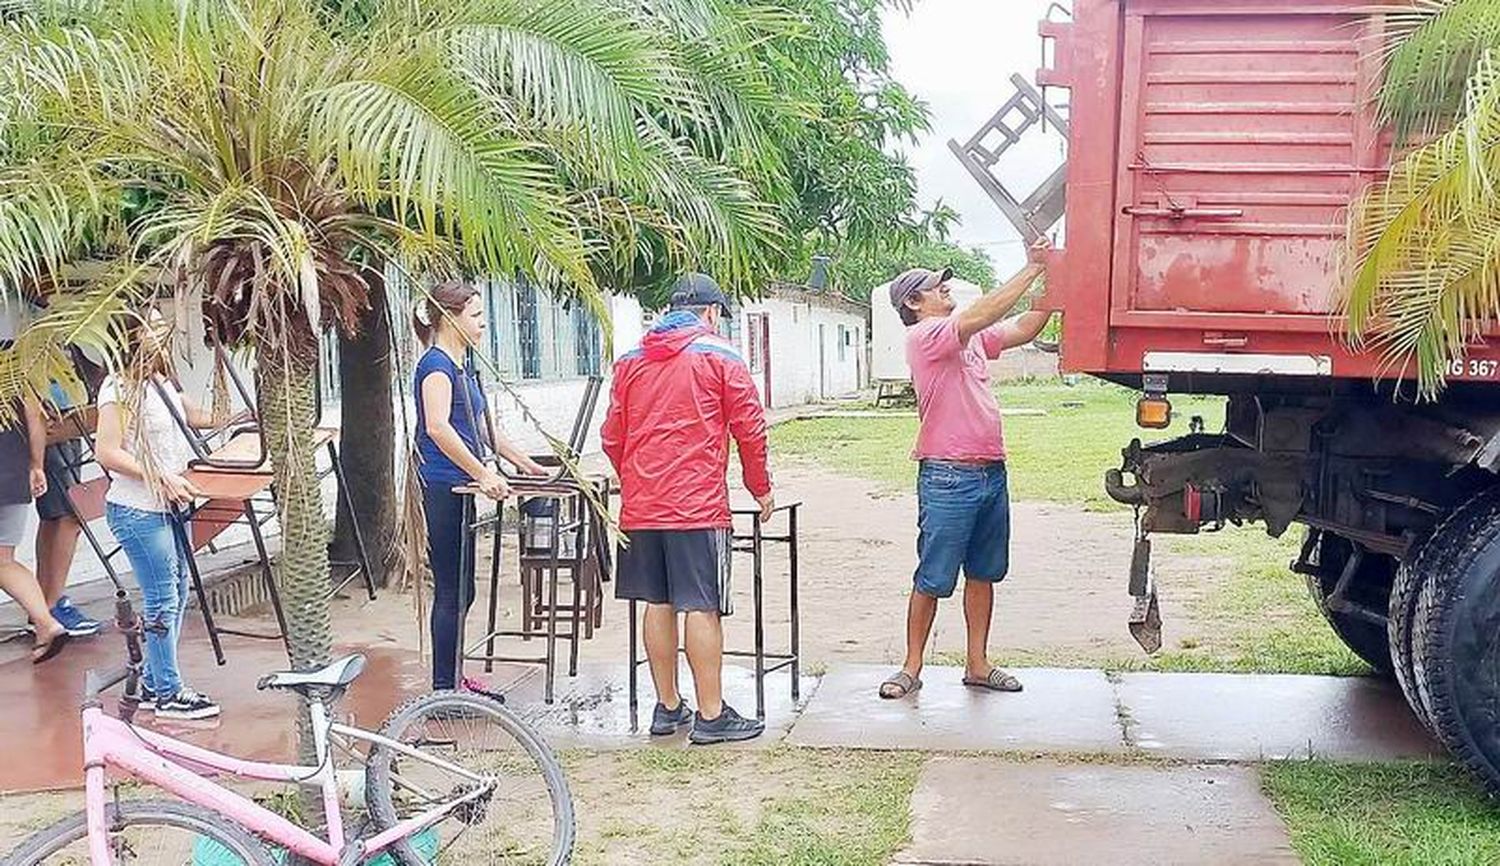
[
  {"x": 633, "y": 673},
  {"x": 359, "y": 537},
  {"x": 267, "y": 575},
  {"x": 179, "y": 529},
  {"x": 576, "y": 617},
  {"x": 489, "y": 647}
]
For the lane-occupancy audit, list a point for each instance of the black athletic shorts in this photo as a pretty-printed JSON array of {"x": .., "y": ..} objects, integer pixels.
[
  {"x": 686, "y": 568},
  {"x": 60, "y": 461}
]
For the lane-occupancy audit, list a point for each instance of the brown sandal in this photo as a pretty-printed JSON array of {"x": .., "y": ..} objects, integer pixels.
[
  {"x": 899, "y": 685},
  {"x": 44, "y": 650},
  {"x": 996, "y": 681}
]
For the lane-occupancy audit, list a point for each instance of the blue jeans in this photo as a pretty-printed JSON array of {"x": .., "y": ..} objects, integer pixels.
[
  {"x": 963, "y": 521},
  {"x": 445, "y": 540},
  {"x": 161, "y": 569}
]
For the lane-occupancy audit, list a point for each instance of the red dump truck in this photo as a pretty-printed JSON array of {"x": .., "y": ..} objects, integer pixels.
[{"x": 1213, "y": 149}]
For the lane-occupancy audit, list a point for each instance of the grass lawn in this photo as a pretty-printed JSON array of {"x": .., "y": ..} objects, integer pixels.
[
  {"x": 1406, "y": 814},
  {"x": 781, "y": 807},
  {"x": 1059, "y": 456}
]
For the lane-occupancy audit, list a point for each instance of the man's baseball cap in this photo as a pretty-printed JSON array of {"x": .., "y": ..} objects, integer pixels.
[
  {"x": 698, "y": 290},
  {"x": 916, "y": 280}
]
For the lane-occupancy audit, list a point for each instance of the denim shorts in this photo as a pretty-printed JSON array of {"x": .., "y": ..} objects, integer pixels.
[{"x": 963, "y": 521}]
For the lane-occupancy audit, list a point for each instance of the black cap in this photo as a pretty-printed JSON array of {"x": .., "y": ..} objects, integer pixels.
[{"x": 698, "y": 290}]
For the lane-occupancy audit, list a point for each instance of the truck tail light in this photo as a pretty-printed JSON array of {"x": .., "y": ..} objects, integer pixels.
[{"x": 1153, "y": 412}]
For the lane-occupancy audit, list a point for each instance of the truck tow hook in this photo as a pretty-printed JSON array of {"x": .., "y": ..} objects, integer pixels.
[{"x": 1145, "y": 613}]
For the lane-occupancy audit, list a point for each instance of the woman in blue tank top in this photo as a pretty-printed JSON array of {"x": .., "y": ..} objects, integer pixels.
[{"x": 452, "y": 444}]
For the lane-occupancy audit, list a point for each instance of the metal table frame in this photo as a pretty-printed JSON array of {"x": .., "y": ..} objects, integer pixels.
[
  {"x": 588, "y": 526},
  {"x": 752, "y": 543}
]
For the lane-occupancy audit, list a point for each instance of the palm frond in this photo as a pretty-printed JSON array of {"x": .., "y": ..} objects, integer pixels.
[
  {"x": 417, "y": 139},
  {"x": 1431, "y": 49},
  {"x": 1424, "y": 262}
]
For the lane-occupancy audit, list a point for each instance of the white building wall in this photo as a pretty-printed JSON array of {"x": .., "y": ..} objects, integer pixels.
[{"x": 805, "y": 358}]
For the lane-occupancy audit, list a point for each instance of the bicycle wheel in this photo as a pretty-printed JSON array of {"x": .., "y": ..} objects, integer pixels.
[
  {"x": 146, "y": 833},
  {"x": 525, "y": 815}
]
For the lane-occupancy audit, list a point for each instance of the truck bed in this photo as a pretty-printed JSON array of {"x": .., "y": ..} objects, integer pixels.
[{"x": 1214, "y": 148}]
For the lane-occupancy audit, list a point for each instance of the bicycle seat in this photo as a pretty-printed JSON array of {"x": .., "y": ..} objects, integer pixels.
[{"x": 336, "y": 675}]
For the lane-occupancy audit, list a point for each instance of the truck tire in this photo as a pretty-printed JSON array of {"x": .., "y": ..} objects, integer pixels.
[
  {"x": 1404, "y": 594},
  {"x": 1371, "y": 588},
  {"x": 1456, "y": 637}
]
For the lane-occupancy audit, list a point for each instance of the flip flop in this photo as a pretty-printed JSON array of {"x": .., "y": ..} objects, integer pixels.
[
  {"x": 996, "y": 681},
  {"x": 41, "y": 652},
  {"x": 899, "y": 685}
]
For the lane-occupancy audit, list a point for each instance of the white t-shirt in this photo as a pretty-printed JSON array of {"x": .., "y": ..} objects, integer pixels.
[{"x": 168, "y": 444}]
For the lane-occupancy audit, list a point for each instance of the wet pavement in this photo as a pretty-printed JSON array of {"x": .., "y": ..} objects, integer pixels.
[
  {"x": 41, "y": 744},
  {"x": 1210, "y": 717},
  {"x": 592, "y": 711},
  {"x": 1060, "y": 711},
  {"x": 1259, "y": 717},
  {"x": 989, "y": 812},
  {"x": 41, "y": 740}
]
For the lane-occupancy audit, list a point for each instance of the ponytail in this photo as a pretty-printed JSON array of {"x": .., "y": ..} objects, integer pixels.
[{"x": 446, "y": 298}]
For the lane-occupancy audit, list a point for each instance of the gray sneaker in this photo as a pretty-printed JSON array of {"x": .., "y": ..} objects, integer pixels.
[
  {"x": 729, "y": 727},
  {"x": 665, "y": 722}
]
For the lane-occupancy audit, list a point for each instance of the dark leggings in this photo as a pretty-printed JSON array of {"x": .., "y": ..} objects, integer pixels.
[{"x": 445, "y": 539}]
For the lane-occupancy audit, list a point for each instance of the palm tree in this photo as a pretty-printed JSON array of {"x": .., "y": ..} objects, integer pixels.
[
  {"x": 1423, "y": 249},
  {"x": 268, "y": 155}
]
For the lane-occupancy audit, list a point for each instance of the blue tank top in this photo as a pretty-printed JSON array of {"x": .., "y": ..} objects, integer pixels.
[{"x": 436, "y": 468}]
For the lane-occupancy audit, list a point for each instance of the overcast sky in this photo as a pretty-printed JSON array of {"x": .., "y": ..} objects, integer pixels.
[{"x": 958, "y": 56}]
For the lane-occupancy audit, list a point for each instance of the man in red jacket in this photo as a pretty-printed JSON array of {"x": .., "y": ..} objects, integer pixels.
[{"x": 674, "y": 404}]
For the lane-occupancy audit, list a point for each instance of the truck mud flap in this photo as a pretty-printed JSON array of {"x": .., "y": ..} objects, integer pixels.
[{"x": 1145, "y": 613}]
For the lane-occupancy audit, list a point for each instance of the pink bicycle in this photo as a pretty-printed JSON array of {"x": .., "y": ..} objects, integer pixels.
[{"x": 450, "y": 776}]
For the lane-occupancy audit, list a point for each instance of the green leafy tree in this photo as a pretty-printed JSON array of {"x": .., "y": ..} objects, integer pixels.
[
  {"x": 272, "y": 155},
  {"x": 1423, "y": 257},
  {"x": 972, "y": 264},
  {"x": 853, "y": 197}
]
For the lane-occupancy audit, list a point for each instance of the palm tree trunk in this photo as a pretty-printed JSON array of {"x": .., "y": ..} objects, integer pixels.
[
  {"x": 366, "y": 409},
  {"x": 288, "y": 412}
]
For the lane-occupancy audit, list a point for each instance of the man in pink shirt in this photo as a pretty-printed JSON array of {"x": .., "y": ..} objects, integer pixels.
[{"x": 963, "y": 504}]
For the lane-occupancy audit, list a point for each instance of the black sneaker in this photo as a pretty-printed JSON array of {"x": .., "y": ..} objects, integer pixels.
[
  {"x": 186, "y": 704},
  {"x": 665, "y": 722},
  {"x": 146, "y": 702},
  {"x": 729, "y": 727}
]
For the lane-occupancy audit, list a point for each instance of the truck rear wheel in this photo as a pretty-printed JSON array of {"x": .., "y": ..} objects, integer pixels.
[
  {"x": 1370, "y": 590},
  {"x": 1404, "y": 593},
  {"x": 1456, "y": 637}
]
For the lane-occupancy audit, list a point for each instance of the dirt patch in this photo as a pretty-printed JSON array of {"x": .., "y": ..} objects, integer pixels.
[{"x": 1063, "y": 603}]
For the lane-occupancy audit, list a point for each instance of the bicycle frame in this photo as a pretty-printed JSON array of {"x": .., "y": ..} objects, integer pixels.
[{"x": 172, "y": 765}]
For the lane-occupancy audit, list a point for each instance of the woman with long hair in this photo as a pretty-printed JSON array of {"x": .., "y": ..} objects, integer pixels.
[
  {"x": 146, "y": 454},
  {"x": 451, "y": 447}
]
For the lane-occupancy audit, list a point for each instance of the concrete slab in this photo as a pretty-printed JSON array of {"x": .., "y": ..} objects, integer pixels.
[
  {"x": 1060, "y": 711},
  {"x": 987, "y": 812},
  {"x": 592, "y": 711},
  {"x": 1253, "y": 717}
]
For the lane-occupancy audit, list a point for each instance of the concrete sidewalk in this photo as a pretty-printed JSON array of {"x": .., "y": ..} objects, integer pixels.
[
  {"x": 1191, "y": 717},
  {"x": 990, "y": 812}
]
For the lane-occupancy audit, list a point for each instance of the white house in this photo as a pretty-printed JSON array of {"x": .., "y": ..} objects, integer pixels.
[{"x": 803, "y": 346}]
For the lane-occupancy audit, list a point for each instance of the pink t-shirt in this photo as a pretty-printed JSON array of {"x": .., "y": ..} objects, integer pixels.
[{"x": 960, "y": 419}]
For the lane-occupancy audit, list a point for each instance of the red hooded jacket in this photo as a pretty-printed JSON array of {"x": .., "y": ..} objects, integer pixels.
[{"x": 673, "y": 405}]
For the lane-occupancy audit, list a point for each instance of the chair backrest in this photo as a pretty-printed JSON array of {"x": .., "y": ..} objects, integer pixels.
[
  {"x": 206, "y": 456},
  {"x": 577, "y": 436},
  {"x": 87, "y": 498}
]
